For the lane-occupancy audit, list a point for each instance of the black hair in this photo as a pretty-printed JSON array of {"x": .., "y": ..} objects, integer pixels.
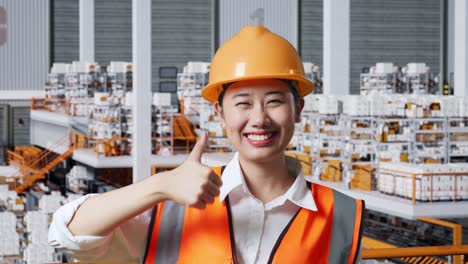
[{"x": 292, "y": 85}]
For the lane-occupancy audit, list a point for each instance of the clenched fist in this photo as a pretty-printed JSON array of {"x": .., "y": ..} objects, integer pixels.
[{"x": 193, "y": 183}]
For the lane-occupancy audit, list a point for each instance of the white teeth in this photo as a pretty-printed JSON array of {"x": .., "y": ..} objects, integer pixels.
[{"x": 259, "y": 137}]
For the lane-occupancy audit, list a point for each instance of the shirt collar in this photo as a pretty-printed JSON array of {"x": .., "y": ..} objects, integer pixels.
[{"x": 298, "y": 193}]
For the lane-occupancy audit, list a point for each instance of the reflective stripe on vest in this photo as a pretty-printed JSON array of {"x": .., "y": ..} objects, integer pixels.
[{"x": 329, "y": 235}]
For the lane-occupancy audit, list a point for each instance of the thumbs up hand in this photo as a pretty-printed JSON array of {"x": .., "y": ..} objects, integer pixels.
[{"x": 193, "y": 183}]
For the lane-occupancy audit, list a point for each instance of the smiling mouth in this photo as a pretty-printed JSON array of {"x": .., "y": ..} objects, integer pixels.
[{"x": 262, "y": 137}]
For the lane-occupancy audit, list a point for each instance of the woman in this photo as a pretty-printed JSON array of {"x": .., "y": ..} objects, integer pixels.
[{"x": 257, "y": 209}]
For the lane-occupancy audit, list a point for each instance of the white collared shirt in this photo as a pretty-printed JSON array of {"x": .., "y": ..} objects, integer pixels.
[{"x": 257, "y": 226}]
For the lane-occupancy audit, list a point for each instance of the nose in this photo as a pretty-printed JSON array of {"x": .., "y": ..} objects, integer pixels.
[{"x": 259, "y": 117}]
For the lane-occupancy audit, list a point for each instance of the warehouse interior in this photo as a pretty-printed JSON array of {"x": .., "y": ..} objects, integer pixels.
[{"x": 85, "y": 85}]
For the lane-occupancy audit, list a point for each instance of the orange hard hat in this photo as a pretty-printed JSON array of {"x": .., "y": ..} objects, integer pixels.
[{"x": 255, "y": 53}]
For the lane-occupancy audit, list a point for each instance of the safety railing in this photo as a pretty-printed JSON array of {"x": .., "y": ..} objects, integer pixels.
[
  {"x": 389, "y": 253},
  {"x": 51, "y": 104},
  {"x": 27, "y": 169},
  {"x": 420, "y": 186},
  {"x": 38, "y": 103},
  {"x": 29, "y": 180},
  {"x": 376, "y": 249},
  {"x": 413, "y": 186}
]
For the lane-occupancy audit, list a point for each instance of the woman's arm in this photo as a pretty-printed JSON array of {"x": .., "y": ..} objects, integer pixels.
[
  {"x": 192, "y": 184},
  {"x": 99, "y": 215}
]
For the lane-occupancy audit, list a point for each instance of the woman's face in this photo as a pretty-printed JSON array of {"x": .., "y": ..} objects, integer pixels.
[{"x": 259, "y": 117}]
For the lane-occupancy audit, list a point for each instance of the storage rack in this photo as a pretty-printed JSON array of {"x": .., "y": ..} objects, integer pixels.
[
  {"x": 326, "y": 134},
  {"x": 429, "y": 140},
  {"x": 418, "y": 83},
  {"x": 79, "y": 90},
  {"x": 162, "y": 127},
  {"x": 316, "y": 78},
  {"x": 304, "y": 128},
  {"x": 458, "y": 139},
  {"x": 359, "y": 151},
  {"x": 120, "y": 82},
  {"x": 196, "y": 109},
  {"x": 372, "y": 83},
  {"x": 384, "y": 78},
  {"x": 104, "y": 124},
  {"x": 358, "y": 133},
  {"x": 126, "y": 129},
  {"x": 55, "y": 91},
  {"x": 189, "y": 86},
  {"x": 314, "y": 74},
  {"x": 392, "y": 139}
]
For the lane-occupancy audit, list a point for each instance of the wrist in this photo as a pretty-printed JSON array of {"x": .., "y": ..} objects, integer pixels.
[{"x": 158, "y": 187}]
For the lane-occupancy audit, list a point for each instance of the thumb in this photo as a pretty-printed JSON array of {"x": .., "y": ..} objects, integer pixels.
[{"x": 199, "y": 148}]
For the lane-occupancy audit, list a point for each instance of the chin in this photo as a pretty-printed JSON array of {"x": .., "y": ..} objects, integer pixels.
[{"x": 260, "y": 155}]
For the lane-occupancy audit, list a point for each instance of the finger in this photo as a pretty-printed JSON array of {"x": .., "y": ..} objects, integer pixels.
[
  {"x": 199, "y": 205},
  {"x": 199, "y": 148},
  {"x": 212, "y": 188},
  {"x": 207, "y": 198},
  {"x": 216, "y": 179},
  {"x": 214, "y": 192}
]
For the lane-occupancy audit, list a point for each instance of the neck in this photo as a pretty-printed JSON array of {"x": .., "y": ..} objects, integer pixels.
[{"x": 267, "y": 180}]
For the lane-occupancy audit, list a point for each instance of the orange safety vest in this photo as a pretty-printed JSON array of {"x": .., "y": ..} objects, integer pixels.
[{"x": 180, "y": 234}]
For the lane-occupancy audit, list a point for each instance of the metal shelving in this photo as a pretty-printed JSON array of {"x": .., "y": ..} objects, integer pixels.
[
  {"x": 378, "y": 83},
  {"x": 458, "y": 139},
  {"x": 429, "y": 140}
]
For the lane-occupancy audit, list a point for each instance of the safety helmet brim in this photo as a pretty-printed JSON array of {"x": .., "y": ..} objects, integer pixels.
[{"x": 211, "y": 92}]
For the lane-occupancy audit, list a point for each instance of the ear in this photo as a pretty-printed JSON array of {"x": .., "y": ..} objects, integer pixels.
[
  {"x": 299, "y": 108},
  {"x": 220, "y": 113}
]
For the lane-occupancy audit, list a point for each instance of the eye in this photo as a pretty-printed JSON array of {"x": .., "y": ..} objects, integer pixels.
[
  {"x": 242, "y": 104},
  {"x": 274, "y": 102}
]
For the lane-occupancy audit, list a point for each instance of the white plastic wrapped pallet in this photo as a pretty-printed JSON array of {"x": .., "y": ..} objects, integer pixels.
[
  {"x": 384, "y": 67},
  {"x": 414, "y": 68},
  {"x": 50, "y": 203},
  {"x": 39, "y": 253},
  {"x": 59, "y": 68},
  {"x": 328, "y": 105},
  {"x": 197, "y": 67},
  {"x": 162, "y": 99},
  {"x": 356, "y": 105},
  {"x": 309, "y": 102},
  {"x": 9, "y": 238}
]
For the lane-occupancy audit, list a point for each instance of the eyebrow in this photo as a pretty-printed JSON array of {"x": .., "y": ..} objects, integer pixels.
[
  {"x": 241, "y": 95},
  {"x": 275, "y": 92},
  {"x": 248, "y": 94}
]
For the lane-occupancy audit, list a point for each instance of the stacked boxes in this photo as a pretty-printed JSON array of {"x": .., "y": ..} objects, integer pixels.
[
  {"x": 82, "y": 80},
  {"x": 386, "y": 78},
  {"x": 55, "y": 86},
  {"x": 355, "y": 105},
  {"x": 458, "y": 139},
  {"x": 197, "y": 109},
  {"x": 50, "y": 203},
  {"x": 23, "y": 234},
  {"x": 38, "y": 249},
  {"x": 10, "y": 199},
  {"x": 189, "y": 84},
  {"x": 9, "y": 238},
  {"x": 429, "y": 142},
  {"x": 384, "y": 128},
  {"x": 163, "y": 123},
  {"x": 104, "y": 123},
  {"x": 314, "y": 74},
  {"x": 328, "y": 105},
  {"x": 119, "y": 79},
  {"x": 397, "y": 179},
  {"x": 381, "y": 78},
  {"x": 77, "y": 179}
]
